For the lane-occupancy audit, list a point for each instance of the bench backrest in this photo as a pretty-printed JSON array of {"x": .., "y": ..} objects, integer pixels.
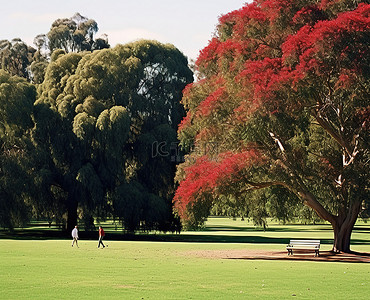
[{"x": 304, "y": 242}]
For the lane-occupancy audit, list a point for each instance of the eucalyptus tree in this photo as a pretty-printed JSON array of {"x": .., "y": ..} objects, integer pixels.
[
  {"x": 97, "y": 116},
  {"x": 16, "y": 104},
  {"x": 15, "y": 57},
  {"x": 73, "y": 34},
  {"x": 284, "y": 95}
]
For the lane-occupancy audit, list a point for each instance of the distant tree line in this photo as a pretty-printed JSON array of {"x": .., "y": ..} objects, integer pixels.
[{"x": 73, "y": 34}]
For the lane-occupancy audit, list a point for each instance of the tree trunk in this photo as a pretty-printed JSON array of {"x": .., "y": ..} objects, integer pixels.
[
  {"x": 343, "y": 226},
  {"x": 342, "y": 238},
  {"x": 72, "y": 212}
]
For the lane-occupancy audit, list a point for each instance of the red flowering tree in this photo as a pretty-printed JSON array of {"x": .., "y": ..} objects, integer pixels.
[{"x": 281, "y": 104}]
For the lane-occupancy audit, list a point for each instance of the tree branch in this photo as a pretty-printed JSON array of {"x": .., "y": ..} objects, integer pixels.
[
  {"x": 277, "y": 141},
  {"x": 311, "y": 201},
  {"x": 328, "y": 128},
  {"x": 261, "y": 185}
]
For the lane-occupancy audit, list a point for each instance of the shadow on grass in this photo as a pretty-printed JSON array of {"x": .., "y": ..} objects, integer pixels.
[
  {"x": 288, "y": 228},
  {"x": 37, "y": 234},
  {"x": 325, "y": 256},
  {"x": 252, "y": 228}
]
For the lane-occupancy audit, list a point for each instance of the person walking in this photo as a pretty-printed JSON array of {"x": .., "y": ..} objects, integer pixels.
[
  {"x": 101, "y": 236},
  {"x": 75, "y": 236}
]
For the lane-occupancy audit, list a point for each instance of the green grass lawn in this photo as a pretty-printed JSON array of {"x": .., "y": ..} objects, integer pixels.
[{"x": 52, "y": 269}]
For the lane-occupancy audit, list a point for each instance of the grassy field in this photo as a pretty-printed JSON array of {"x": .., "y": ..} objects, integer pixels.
[{"x": 52, "y": 269}]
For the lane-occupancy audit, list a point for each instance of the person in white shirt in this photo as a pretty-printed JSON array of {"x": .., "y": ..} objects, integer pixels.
[{"x": 75, "y": 236}]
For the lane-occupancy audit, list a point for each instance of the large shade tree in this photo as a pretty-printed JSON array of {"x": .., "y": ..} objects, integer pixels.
[
  {"x": 16, "y": 104},
  {"x": 97, "y": 116},
  {"x": 281, "y": 104}
]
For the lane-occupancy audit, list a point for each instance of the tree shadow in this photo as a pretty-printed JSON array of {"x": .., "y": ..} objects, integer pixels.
[
  {"x": 288, "y": 228},
  {"x": 36, "y": 233},
  {"x": 245, "y": 239},
  {"x": 216, "y": 228},
  {"x": 325, "y": 256}
]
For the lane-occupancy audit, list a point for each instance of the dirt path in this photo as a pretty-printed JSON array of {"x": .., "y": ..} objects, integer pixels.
[{"x": 280, "y": 255}]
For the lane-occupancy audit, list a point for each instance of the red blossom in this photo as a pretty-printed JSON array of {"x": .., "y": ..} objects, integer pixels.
[
  {"x": 229, "y": 18},
  {"x": 275, "y": 9},
  {"x": 265, "y": 68},
  {"x": 185, "y": 122},
  {"x": 250, "y": 16},
  {"x": 208, "y": 53},
  {"x": 230, "y": 47},
  {"x": 187, "y": 90},
  {"x": 210, "y": 103},
  {"x": 205, "y": 175},
  {"x": 266, "y": 76},
  {"x": 312, "y": 44},
  {"x": 345, "y": 79}
]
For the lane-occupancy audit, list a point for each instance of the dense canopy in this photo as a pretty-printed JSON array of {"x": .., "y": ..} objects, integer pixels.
[
  {"x": 281, "y": 108},
  {"x": 85, "y": 147},
  {"x": 16, "y": 104},
  {"x": 96, "y": 119}
]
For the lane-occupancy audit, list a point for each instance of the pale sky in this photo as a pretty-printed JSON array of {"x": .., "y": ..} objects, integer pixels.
[{"x": 188, "y": 24}]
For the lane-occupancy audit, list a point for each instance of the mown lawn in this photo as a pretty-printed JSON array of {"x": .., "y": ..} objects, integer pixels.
[{"x": 52, "y": 269}]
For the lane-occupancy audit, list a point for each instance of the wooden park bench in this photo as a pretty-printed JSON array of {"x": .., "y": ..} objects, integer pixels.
[{"x": 303, "y": 245}]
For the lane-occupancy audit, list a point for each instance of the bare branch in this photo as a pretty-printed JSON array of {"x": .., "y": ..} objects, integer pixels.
[{"x": 277, "y": 141}]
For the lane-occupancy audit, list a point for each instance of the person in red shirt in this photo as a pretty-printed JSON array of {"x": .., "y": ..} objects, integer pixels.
[{"x": 101, "y": 236}]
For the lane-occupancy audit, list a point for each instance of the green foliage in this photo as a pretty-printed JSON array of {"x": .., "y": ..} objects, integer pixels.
[
  {"x": 95, "y": 121},
  {"x": 15, "y": 57},
  {"x": 38, "y": 67},
  {"x": 98, "y": 115},
  {"x": 75, "y": 34},
  {"x": 139, "y": 209},
  {"x": 16, "y": 104}
]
